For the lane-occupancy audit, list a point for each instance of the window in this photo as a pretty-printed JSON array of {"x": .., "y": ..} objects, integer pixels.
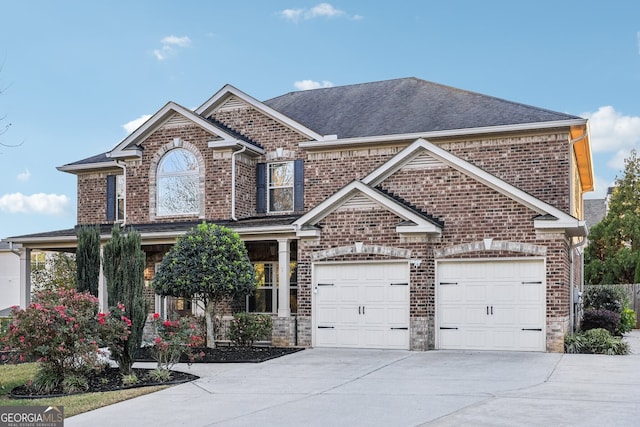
[
  {"x": 120, "y": 195},
  {"x": 280, "y": 186},
  {"x": 115, "y": 198},
  {"x": 178, "y": 180},
  {"x": 265, "y": 298}
]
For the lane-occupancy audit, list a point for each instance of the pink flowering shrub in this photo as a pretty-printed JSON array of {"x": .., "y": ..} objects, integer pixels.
[
  {"x": 63, "y": 330},
  {"x": 174, "y": 339}
]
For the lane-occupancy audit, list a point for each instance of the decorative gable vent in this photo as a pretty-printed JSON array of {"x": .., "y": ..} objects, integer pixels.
[
  {"x": 358, "y": 202},
  {"x": 423, "y": 161},
  {"x": 176, "y": 121},
  {"x": 232, "y": 103}
]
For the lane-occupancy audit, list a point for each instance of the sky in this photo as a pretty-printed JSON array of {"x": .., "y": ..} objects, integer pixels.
[{"x": 77, "y": 76}]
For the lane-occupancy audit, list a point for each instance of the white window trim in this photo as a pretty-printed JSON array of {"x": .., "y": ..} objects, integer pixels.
[
  {"x": 159, "y": 177},
  {"x": 274, "y": 287},
  {"x": 272, "y": 187}
]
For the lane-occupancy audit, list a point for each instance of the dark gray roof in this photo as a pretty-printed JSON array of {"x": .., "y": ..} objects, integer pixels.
[
  {"x": 402, "y": 106},
  {"x": 99, "y": 158},
  {"x": 594, "y": 211},
  {"x": 177, "y": 227}
]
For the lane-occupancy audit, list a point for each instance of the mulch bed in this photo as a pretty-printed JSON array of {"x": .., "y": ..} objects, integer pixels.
[
  {"x": 228, "y": 354},
  {"x": 111, "y": 380},
  {"x": 108, "y": 380}
]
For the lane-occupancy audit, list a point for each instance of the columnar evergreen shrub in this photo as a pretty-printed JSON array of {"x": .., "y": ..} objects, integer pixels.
[
  {"x": 88, "y": 259},
  {"x": 123, "y": 266}
]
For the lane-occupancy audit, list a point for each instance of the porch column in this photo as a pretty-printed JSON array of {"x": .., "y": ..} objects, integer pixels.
[
  {"x": 284, "y": 309},
  {"x": 102, "y": 286},
  {"x": 25, "y": 277}
]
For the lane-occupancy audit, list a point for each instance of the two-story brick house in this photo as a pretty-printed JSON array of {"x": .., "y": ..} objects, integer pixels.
[{"x": 394, "y": 214}]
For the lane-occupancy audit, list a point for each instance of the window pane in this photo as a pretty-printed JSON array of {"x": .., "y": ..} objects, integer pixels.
[
  {"x": 281, "y": 199},
  {"x": 281, "y": 174},
  {"x": 293, "y": 299},
  {"x": 178, "y": 195},
  {"x": 261, "y": 301},
  {"x": 178, "y": 183},
  {"x": 281, "y": 187},
  {"x": 177, "y": 161}
]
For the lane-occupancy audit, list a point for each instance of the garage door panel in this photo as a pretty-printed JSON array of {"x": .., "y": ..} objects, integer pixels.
[
  {"x": 494, "y": 305},
  {"x": 475, "y": 293},
  {"x": 475, "y": 315},
  {"x": 397, "y": 317},
  {"x": 530, "y": 317},
  {"x": 449, "y": 293},
  {"x": 368, "y": 308}
]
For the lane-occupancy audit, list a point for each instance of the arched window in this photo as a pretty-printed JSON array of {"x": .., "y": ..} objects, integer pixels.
[{"x": 178, "y": 180}]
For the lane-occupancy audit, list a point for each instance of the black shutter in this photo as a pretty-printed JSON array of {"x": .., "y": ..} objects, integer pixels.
[
  {"x": 261, "y": 188},
  {"x": 298, "y": 185},
  {"x": 111, "y": 197}
]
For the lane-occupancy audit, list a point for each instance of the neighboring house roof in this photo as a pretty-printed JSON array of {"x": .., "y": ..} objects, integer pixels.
[
  {"x": 594, "y": 211},
  {"x": 402, "y": 106}
]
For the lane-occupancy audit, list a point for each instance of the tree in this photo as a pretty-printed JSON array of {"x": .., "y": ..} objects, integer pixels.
[
  {"x": 88, "y": 259},
  {"x": 209, "y": 263},
  {"x": 123, "y": 266},
  {"x": 58, "y": 272},
  {"x": 613, "y": 253}
]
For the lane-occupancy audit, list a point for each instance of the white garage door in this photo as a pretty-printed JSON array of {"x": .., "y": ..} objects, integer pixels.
[
  {"x": 361, "y": 305},
  {"x": 491, "y": 305}
]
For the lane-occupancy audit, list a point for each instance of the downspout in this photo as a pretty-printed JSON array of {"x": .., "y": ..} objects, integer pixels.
[
  {"x": 233, "y": 182},
  {"x": 573, "y": 247},
  {"x": 123, "y": 166}
]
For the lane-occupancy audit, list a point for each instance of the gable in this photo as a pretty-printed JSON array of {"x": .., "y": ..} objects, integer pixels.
[
  {"x": 173, "y": 115},
  {"x": 358, "y": 196},
  {"x": 230, "y": 99},
  {"x": 549, "y": 217}
]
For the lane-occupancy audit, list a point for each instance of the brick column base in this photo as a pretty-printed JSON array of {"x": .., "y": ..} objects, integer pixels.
[
  {"x": 420, "y": 334},
  {"x": 284, "y": 332},
  {"x": 557, "y": 328}
]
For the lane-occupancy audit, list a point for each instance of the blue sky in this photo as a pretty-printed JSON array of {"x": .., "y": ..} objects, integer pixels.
[{"x": 77, "y": 75}]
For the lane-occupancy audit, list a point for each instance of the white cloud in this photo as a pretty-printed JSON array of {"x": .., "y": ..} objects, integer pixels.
[
  {"x": 321, "y": 10},
  {"x": 613, "y": 131},
  {"x": 135, "y": 123},
  {"x": 40, "y": 203},
  {"x": 310, "y": 84},
  {"x": 24, "y": 176},
  {"x": 324, "y": 9},
  {"x": 169, "y": 46}
]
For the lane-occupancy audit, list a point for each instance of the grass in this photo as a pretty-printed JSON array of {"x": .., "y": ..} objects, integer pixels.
[{"x": 14, "y": 375}]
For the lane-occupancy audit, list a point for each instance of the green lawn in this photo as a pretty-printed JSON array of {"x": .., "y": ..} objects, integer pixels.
[{"x": 14, "y": 375}]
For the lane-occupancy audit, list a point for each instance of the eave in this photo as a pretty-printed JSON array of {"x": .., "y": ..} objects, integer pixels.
[{"x": 449, "y": 133}]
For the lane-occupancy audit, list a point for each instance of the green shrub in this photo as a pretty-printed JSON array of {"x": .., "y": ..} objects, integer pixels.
[
  {"x": 246, "y": 328},
  {"x": 627, "y": 321},
  {"x": 595, "y": 341},
  {"x": 606, "y": 297},
  {"x": 605, "y": 319}
]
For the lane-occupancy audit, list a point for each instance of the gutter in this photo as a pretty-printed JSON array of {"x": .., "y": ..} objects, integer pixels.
[
  {"x": 439, "y": 134},
  {"x": 233, "y": 182}
]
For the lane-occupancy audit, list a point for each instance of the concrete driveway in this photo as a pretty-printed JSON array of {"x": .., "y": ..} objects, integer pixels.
[{"x": 337, "y": 387}]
